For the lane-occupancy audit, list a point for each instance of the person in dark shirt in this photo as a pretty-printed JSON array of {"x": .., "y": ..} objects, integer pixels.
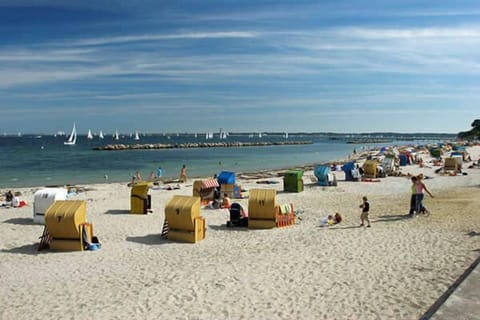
[
  {"x": 365, "y": 209},
  {"x": 9, "y": 196}
]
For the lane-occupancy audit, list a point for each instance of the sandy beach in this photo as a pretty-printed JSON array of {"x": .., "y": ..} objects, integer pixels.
[{"x": 394, "y": 270}]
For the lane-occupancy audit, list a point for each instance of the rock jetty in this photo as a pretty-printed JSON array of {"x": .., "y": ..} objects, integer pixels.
[{"x": 114, "y": 147}]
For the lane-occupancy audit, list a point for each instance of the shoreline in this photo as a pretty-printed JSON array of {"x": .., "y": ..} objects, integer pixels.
[
  {"x": 148, "y": 146},
  {"x": 396, "y": 269}
]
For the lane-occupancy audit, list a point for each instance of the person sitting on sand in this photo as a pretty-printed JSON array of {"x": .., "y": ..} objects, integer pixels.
[
  {"x": 331, "y": 220},
  {"x": 338, "y": 218},
  {"x": 17, "y": 203},
  {"x": 327, "y": 221},
  {"x": 9, "y": 196},
  {"x": 226, "y": 201}
]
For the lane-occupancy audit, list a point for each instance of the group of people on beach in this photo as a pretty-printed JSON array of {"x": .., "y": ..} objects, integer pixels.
[
  {"x": 12, "y": 200},
  {"x": 158, "y": 175},
  {"x": 418, "y": 188}
]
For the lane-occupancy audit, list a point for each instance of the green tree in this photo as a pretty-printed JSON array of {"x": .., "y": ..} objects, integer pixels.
[
  {"x": 472, "y": 134},
  {"x": 476, "y": 123}
]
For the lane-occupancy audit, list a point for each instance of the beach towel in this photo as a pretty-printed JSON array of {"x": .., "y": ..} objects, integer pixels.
[
  {"x": 285, "y": 208},
  {"x": 267, "y": 182}
]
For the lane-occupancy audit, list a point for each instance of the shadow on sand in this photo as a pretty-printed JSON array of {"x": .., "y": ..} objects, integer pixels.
[
  {"x": 339, "y": 228},
  {"x": 117, "y": 212},
  {"x": 22, "y": 221},
  {"x": 25, "y": 249},
  {"x": 223, "y": 227},
  {"x": 150, "y": 239},
  {"x": 391, "y": 218}
]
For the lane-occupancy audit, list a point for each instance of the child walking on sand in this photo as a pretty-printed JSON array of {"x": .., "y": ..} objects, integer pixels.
[{"x": 364, "y": 216}]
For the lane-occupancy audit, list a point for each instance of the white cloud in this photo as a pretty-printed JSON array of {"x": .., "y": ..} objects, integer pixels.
[
  {"x": 409, "y": 33},
  {"x": 157, "y": 37}
]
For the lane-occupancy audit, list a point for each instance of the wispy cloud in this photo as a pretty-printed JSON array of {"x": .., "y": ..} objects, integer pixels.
[
  {"x": 46, "y": 55},
  {"x": 157, "y": 37},
  {"x": 290, "y": 54},
  {"x": 409, "y": 33}
]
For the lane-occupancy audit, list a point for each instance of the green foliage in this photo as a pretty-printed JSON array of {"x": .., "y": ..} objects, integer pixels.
[
  {"x": 476, "y": 123},
  {"x": 472, "y": 134}
]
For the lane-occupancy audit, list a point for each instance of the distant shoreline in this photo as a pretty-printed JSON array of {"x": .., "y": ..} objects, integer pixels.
[{"x": 117, "y": 147}]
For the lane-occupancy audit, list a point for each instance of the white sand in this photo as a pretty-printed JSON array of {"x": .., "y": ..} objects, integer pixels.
[{"x": 394, "y": 270}]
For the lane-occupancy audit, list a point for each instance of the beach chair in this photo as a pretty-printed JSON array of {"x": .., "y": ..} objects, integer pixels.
[
  {"x": 263, "y": 213},
  {"x": 403, "y": 159},
  {"x": 261, "y": 209},
  {"x": 205, "y": 189},
  {"x": 450, "y": 164},
  {"x": 184, "y": 221},
  {"x": 348, "y": 169},
  {"x": 389, "y": 165},
  {"x": 293, "y": 181},
  {"x": 43, "y": 199},
  {"x": 140, "y": 200},
  {"x": 370, "y": 169},
  {"x": 325, "y": 177},
  {"x": 67, "y": 227},
  {"x": 236, "y": 219}
]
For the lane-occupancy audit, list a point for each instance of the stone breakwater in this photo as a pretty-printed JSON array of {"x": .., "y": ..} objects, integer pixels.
[{"x": 114, "y": 147}]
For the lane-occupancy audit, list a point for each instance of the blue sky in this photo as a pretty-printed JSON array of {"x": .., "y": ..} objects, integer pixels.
[{"x": 170, "y": 66}]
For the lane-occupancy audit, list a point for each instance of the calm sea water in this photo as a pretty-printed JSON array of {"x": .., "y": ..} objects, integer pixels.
[{"x": 44, "y": 160}]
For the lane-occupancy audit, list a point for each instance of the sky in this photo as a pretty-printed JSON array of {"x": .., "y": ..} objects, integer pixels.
[{"x": 251, "y": 65}]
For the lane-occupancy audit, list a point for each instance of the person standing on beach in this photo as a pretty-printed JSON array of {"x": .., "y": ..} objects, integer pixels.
[
  {"x": 365, "y": 209},
  {"x": 159, "y": 173},
  {"x": 413, "y": 197},
  {"x": 183, "y": 174},
  {"x": 420, "y": 187}
]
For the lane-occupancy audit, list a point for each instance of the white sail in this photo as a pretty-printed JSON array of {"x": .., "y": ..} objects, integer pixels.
[
  {"x": 89, "y": 135},
  {"x": 286, "y": 135},
  {"x": 223, "y": 134},
  {"x": 115, "y": 135},
  {"x": 100, "y": 135},
  {"x": 72, "y": 139},
  {"x": 136, "y": 137},
  {"x": 259, "y": 134}
]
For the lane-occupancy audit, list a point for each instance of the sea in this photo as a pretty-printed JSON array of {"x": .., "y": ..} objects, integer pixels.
[{"x": 44, "y": 160}]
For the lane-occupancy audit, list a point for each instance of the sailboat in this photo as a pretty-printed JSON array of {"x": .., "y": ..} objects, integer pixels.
[
  {"x": 286, "y": 135},
  {"x": 89, "y": 135},
  {"x": 136, "y": 137},
  {"x": 72, "y": 139},
  {"x": 100, "y": 135},
  {"x": 223, "y": 134},
  {"x": 115, "y": 135}
]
